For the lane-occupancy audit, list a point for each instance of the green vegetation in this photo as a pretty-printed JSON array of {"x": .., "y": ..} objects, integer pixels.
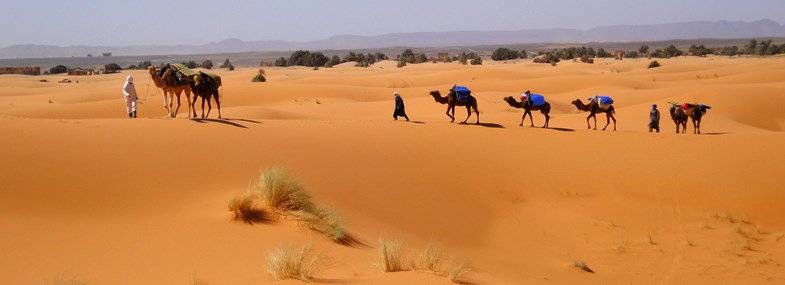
[
  {"x": 654, "y": 64},
  {"x": 227, "y": 64},
  {"x": 190, "y": 64},
  {"x": 260, "y": 77},
  {"x": 504, "y": 54},
  {"x": 207, "y": 64},
  {"x": 112, "y": 67},
  {"x": 58, "y": 69}
]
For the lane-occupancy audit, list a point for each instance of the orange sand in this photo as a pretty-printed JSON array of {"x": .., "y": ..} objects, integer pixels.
[{"x": 89, "y": 195}]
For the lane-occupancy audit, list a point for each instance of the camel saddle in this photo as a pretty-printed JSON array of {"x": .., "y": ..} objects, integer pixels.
[
  {"x": 537, "y": 99},
  {"x": 462, "y": 93}
]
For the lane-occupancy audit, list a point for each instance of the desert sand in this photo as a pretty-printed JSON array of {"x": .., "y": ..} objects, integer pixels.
[{"x": 89, "y": 196}]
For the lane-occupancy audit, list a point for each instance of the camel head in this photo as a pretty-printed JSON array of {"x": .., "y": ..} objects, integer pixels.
[
  {"x": 577, "y": 102},
  {"x": 435, "y": 93},
  {"x": 152, "y": 70}
]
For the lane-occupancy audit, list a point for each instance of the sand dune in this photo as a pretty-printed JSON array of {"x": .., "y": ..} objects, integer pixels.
[{"x": 89, "y": 195}]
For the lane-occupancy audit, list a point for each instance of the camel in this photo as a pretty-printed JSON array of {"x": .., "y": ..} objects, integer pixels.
[
  {"x": 593, "y": 108},
  {"x": 168, "y": 83},
  {"x": 695, "y": 112},
  {"x": 452, "y": 100},
  {"x": 679, "y": 117},
  {"x": 206, "y": 87},
  {"x": 528, "y": 107}
]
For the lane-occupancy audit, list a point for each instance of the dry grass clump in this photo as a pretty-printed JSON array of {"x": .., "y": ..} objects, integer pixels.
[
  {"x": 276, "y": 193},
  {"x": 580, "y": 264},
  {"x": 293, "y": 262},
  {"x": 326, "y": 221},
  {"x": 392, "y": 255},
  {"x": 430, "y": 258},
  {"x": 456, "y": 271},
  {"x": 280, "y": 191},
  {"x": 245, "y": 208}
]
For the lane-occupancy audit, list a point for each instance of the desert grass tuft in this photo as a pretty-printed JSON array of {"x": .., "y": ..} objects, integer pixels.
[
  {"x": 456, "y": 271},
  {"x": 430, "y": 258},
  {"x": 580, "y": 264},
  {"x": 391, "y": 255},
  {"x": 245, "y": 208},
  {"x": 281, "y": 191},
  {"x": 294, "y": 262},
  {"x": 326, "y": 221}
]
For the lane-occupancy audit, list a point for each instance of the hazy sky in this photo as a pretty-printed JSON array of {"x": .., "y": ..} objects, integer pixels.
[{"x": 171, "y": 22}]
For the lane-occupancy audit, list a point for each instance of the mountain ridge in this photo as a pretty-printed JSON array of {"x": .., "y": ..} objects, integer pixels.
[{"x": 614, "y": 33}]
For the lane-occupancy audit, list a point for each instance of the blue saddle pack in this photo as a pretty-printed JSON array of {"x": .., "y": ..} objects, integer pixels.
[
  {"x": 462, "y": 93},
  {"x": 604, "y": 100},
  {"x": 537, "y": 99}
]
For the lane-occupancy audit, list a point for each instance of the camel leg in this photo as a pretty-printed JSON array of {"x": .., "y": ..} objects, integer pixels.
[
  {"x": 475, "y": 111},
  {"x": 589, "y": 124},
  {"x": 523, "y": 118},
  {"x": 468, "y": 113},
  {"x": 531, "y": 118},
  {"x": 547, "y": 119},
  {"x": 178, "y": 105},
  {"x": 218, "y": 103},
  {"x": 608, "y": 117},
  {"x": 452, "y": 117},
  {"x": 188, "y": 101},
  {"x": 208, "y": 101},
  {"x": 193, "y": 106}
]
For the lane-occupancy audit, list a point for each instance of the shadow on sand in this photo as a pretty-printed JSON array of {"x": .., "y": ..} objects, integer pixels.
[
  {"x": 560, "y": 129},
  {"x": 487, "y": 125},
  {"x": 225, "y": 121}
]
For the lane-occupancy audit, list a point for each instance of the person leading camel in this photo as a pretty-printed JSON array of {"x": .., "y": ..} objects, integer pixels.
[
  {"x": 400, "y": 109},
  {"x": 654, "y": 118},
  {"x": 129, "y": 92}
]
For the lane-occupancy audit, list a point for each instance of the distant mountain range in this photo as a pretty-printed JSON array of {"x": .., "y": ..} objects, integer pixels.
[{"x": 618, "y": 33}]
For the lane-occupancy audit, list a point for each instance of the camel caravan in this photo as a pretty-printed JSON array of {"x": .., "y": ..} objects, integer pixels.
[
  {"x": 174, "y": 79},
  {"x": 461, "y": 96}
]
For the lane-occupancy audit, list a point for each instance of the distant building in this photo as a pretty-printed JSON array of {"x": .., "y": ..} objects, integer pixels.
[
  {"x": 26, "y": 70},
  {"x": 266, "y": 63},
  {"x": 80, "y": 72},
  {"x": 107, "y": 54},
  {"x": 442, "y": 56},
  {"x": 618, "y": 54}
]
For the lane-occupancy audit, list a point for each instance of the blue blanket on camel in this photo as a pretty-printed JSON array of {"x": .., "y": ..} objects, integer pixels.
[
  {"x": 462, "y": 93},
  {"x": 537, "y": 99}
]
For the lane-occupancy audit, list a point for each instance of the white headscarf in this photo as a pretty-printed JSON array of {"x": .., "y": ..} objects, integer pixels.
[{"x": 129, "y": 79}]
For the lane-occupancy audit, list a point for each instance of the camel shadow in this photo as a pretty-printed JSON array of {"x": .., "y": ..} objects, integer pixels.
[
  {"x": 716, "y": 134},
  {"x": 224, "y": 121},
  {"x": 487, "y": 125},
  {"x": 560, "y": 129},
  {"x": 414, "y": 122}
]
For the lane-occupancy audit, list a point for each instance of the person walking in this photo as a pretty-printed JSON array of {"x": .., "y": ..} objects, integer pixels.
[
  {"x": 400, "y": 110},
  {"x": 654, "y": 118},
  {"x": 129, "y": 92}
]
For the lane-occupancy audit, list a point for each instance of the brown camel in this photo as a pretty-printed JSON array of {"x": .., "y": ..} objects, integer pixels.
[
  {"x": 206, "y": 87},
  {"x": 168, "y": 83},
  {"x": 452, "y": 100},
  {"x": 528, "y": 107},
  {"x": 679, "y": 117},
  {"x": 696, "y": 113},
  {"x": 593, "y": 108}
]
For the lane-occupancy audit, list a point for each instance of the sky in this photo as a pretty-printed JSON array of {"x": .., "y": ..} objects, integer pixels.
[{"x": 194, "y": 22}]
